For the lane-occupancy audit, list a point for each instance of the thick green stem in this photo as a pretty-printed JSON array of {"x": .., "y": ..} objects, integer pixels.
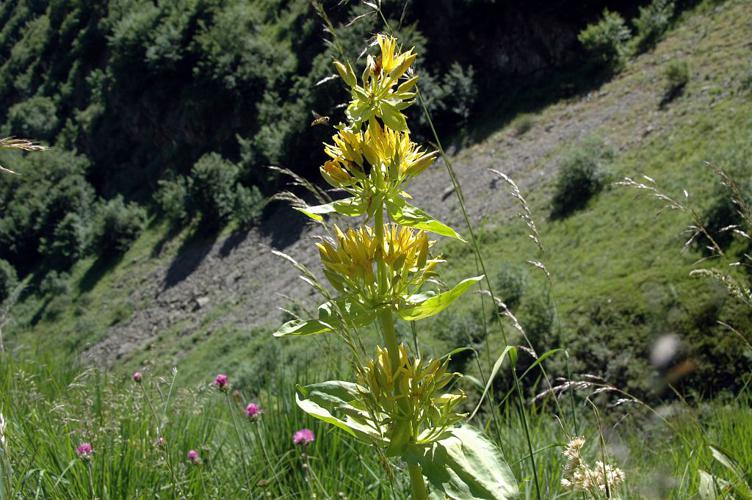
[
  {"x": 390, "y": 336},
  {"x": 386, "y": 322},
  {"x": 417, "y": 483}
]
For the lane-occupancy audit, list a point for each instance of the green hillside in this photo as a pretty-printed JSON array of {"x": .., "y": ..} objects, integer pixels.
[{"x": 618, "y": 269}]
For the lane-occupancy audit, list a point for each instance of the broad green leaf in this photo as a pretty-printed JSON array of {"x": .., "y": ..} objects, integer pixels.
[
  {"x": 496, "y": 367},
  {"x": 336, "y": 402},
  {"x": 392, "y": 117},
  {"x": 355, "y": 314},
  {"x": 302, "y": 327},
  {"x": 465, "y": 465},
  {"x": 437, "y": 303},
  {"x": 351, "y": 207},
  {"x": 405, "y": 214}
]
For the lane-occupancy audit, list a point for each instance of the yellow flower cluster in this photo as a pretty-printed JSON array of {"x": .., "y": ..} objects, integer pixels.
[
  {"x": 379, "y": 160},
  {"x": 376, "y": 95},
  {"x": 351, "y": 263},
  {"x": 424, "y": 409}
]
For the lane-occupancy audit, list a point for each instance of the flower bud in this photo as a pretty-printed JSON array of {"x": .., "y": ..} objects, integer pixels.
[
  {"x": 335, "y": 175},
  {"x": 346, "y": 72}
]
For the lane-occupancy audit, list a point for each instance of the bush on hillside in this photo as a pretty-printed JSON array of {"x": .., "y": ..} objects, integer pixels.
[
  {"x": 53, "y": 185},
  {"x": 510, "y": 286},
  {"x": 249, "y": 205},
  {"x": 581, "y": 176},
  {"x": 213, "y": 187},
  {"x": 117, "y": 225},
  {"x": 55, "y": 283},
  {"x": 721, "y": 215},
  {"x": 450, "y": 97},
  {"x": 69, "y": 242},
  {"x": 172, "y": 199},
  {"x": 8, "y": 279},
  {"x": 522, "y": 124},
  {"x": 676, "y": 77},
  {"x": 215, "y": 192},
  {"x": 35, "y": 117},
  {"x": 652, "y": 23},
  {"x": 461, "y": 329},
  {"x": 606, "y": 40},
  {"x": 537, "y": 316}
]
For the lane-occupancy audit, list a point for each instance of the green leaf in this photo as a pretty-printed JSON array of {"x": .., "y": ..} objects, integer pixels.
[
  {"x": 511, "y": 350},
  {"x": 337, "y": 402},
  {"x": 437, "y": 303},
  {"x": 355, "y": 314},
  {"x": 405, "y": 214},
  {"x": 351, "y": 207},
  {"x": 465, "y": 465},
  {"x": 302, "y": 327},
  {"x": 392, "y": 117}
]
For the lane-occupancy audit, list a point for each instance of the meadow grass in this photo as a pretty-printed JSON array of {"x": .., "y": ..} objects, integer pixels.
[{"x": 51, "y": 407}]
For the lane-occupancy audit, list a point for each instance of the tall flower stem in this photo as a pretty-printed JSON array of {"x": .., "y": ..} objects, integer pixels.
[
  {"x": 91, "y": 479},
  {"x": 417, "y": 483},
  {"x": 386, "y": 321}
]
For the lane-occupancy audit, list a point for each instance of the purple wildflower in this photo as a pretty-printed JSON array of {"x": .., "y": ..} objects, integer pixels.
[
  {"x": 304, "y": 437},
  {"x": 193, "y": 457},
  {"x": 221, "y": 382},
  {"x": 137, "y": 376},
  {"x": 253, "y": 411},
  {"x": 84, "y": 451}
]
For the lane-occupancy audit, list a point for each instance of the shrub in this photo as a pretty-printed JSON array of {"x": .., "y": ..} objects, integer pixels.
[
  {"x": 459, "y": 91},
  {"x": 117, "y": 226},
  {"x": 652, "y": 23},
  {"x": 581, "y": 176},
  {"x": 537, "y": 318},
  {"x": 172, "y": 198},
  {"x": 213, "y": 188},
  {"x": 460, "y": 328},
  {"x": 606, "y": 39},
  {"x": 69, "y": 241},
  {"x": 54, "y": 283},
  {"x": 53, "y": 185},
  {"x": 510, "y": 286},
  {"x": 35, "y": 117},
  {"x": 249, "y": 204},
  {"x": 8, "y": 279},
  {"x": 522, "y": 124},
  {"x": 721, "y": 213},
  {"x": 676, "y": 77},
  {"x": 450, "y": 97}
]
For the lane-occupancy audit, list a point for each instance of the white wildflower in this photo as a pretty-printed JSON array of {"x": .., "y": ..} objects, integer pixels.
[{"x": 579, "y": 476}]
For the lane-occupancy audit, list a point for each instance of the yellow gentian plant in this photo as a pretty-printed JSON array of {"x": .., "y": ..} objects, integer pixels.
[{"x": 399, "y": 402}]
